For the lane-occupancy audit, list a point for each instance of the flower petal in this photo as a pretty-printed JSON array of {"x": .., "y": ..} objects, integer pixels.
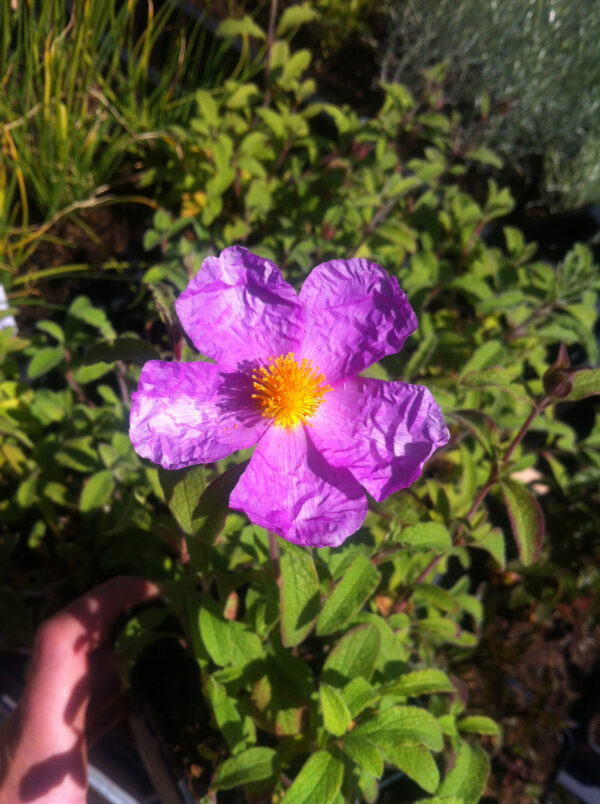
[
  {"x": 354, "y": 314},
  {"x": 290, "y": 489},
  {"x": 239, "y": 310},
  {"x": 382, "y": 431},
  {"x": 188, "y": 413}
]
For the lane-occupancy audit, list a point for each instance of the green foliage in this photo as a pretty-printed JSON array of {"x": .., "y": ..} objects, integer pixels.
[
  {"x": 320, "y": 670},
  {"x": 527, "y": 72},
  {"x": 80, "y": 97}
]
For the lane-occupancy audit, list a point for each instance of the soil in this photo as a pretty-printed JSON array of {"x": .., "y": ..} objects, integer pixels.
[{"x": 536, "y": 679}]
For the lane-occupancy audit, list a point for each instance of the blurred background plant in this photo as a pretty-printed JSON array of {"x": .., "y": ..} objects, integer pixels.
[
  {"x": 369, "y": 672},
  {"x": 87, "y": 89},
  {"x": 524, "y": 75}
]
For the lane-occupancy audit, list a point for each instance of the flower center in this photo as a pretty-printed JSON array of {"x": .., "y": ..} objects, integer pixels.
[{"x": 287, "y": 391}]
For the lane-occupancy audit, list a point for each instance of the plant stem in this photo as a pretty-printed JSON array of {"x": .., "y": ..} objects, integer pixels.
[
  {"x": 270, "y": 40},
  {"x": 538, "y": 408},
  {"x": 274, "y": 555},
  {"x": 483, "y": 492}
]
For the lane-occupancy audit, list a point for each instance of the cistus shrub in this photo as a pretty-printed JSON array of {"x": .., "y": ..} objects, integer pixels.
[{"x": 323, "y": 672}]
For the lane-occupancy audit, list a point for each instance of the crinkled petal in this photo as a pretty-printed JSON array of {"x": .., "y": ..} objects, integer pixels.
[
  {"x": 289, "y": 488},
  {"x": 354, "y": 314},
  {"x": 239, "y": 310},
  {"x": 188, "y": 413},
  {"x": 382, "y": 431}
]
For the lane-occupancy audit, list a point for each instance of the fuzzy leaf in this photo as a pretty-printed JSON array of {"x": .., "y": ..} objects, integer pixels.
[
  {"x": 403, "y": 724},
  {"x": 354, "y": 655},
  {"x": 526, "y": 519},
  {"x": 251, "y": 765},
  {"x": 364, "y": 752},
  {"x": 426, "y": 536},
  {"x": 468, "y": 776},
  {"x": 294, "y": 16},
  {"x": 349, "y": 596},
  {"x": 238, "y": 730},
  {"x": 358, "y": 694},
  {"x": 318, "y": 781},
  {"x": 421, "y": 682},
  {"x": 182, "y": 489},
  {"x": 242, "y": 26},
  {"x": 336, "y": 715},
  {"x": 478, "y": 724},
  {"x": 417, "y": 763},
  {"x": 585, "y": 383},
  {"x": 45, "y": 360},
  {"x": 299, "y": 595},
  {"x": 97, "y": 491},
  {"x": 215, "y": 632}
]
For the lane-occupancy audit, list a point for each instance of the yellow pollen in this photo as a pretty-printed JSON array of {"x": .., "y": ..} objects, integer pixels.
[{"x": 287, "y": 391}]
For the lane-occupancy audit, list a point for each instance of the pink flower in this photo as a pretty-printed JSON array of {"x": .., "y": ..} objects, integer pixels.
[{"x": 285, "y": 378}]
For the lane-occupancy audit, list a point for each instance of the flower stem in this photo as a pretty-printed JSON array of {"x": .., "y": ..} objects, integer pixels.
[{"x": 274, "y": 555}]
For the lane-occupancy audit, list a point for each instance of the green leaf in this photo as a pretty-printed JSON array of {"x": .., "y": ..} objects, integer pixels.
[
  {"x": 432, "y": 595},
  {"x": 240, "y": 97},
  {"x": 295, "y": 16},
  {"x": 83, "y": 309},
  {"x": 299, "y": 594},
  {"x": 358, "y": 694},
  {"x": 97, "y": 491},
  {"x": 468, "y": 776},
  {"x": 336, "y": 715},
  {"x": 441, "y": 800},
  {"x": 481, "y": 426},
  {"x": 492, "y": 541},
  {"x": 403, "y": 724},
  {"x": 488, "y": 354},
  {"x": 478, "y": 724},
  {"x": 121, "y": 349},
  {"x": 52, "y": 328},
  {"x": 485, "y": 156},
  {"x": 294, "y": 67},
  {"x": 354, "y": 655},
  {"x": 45, "y": 360},
  {"x": 421, "y": 682},
  {"x": 526, "y": 519},
  {"x": 182, "y": 489},
  {"x": 243, "y": 26},
  {"x": 209, "y": 516},
  {"x": 495, "y": 375},
  {"x": 318, "y": 781},
  {"x": 214, "y": 629},
  {"x": 78, "y": 454},
  {"x": 85, "y": 374},
  {"x": 364, "y": 752},
  {"x": 349, "y": 596},
  {"x": 585, "y": 383},
  {"x": 417, "y": 763},
  {"x": 238, "y": 730},
  {"x": 426, "y": 536},
  {"x": 250, "y": 765}
]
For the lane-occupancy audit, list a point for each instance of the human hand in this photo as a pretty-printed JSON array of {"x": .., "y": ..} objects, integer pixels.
[{"x": 71, "y": 696}]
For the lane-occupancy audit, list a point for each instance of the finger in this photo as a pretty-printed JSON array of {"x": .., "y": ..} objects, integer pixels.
[
  {"x": 46, "y": 738},
  {"x": 59, "y": 684}
]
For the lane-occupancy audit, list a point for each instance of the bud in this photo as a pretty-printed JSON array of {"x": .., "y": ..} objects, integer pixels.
[{"x": 558, "y": 379}]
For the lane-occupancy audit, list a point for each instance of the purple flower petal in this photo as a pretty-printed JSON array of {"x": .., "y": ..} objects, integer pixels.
[
  {"x": 382, "y": 431},
  {"x": 354, "y": 314},
  {"x": 188, "y": 413},
  {"x": 290, "y": 489},
  {"x": 239, "y": 310}
]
